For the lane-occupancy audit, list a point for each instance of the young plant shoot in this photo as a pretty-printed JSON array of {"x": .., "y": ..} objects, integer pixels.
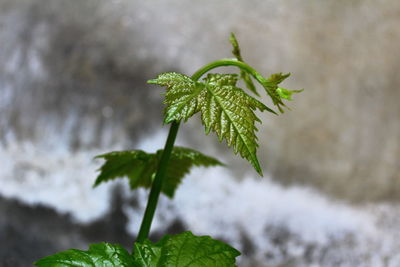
[{"x": 226, "y": 110}]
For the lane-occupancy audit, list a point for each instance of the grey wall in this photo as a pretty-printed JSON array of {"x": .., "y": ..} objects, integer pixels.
[{"x": 85, "y": 57}]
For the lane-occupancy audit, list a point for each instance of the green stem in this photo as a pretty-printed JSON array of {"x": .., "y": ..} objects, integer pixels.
[
  {"x": 231, "y": 62},
  {"x": 157, "y": 184},
  {"x": 166, "y": 154}
]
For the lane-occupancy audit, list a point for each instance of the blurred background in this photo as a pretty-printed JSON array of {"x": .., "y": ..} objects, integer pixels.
[{"x": 73, "y": 85}]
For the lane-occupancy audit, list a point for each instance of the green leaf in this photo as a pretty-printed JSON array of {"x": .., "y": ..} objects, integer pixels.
[
  {"x": 98, "y": 255},
  {"x": 278, "y": 93},
  {"x": 147, "y": 254},
  {"x": 182, "y": 95},
  {"x": 229, "y": 111},
  {"x": 181, "y": 161},
  {"x": 287, "y": 94},
  {"x": 140, "y": 167},
  {"x": 179, "y": 250},
  {"x": 185, "y": 250},
  {"x": 277, "y": 78},
  {"x": 243, "y": 74},
  {"x": 135, "y": 164},
  {"x": 225, "y": 109}
]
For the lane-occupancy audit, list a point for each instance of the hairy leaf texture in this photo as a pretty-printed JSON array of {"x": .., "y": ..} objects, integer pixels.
[
  {"x": 140, "y": 167},
  {"x": 225, "y": 109},
  {"x": 243, "y": 74},
  {"x": 98, "y": 255},
  {"x": 148, "y": 254},
  {"x": 182, "y": 96},
  {"x": 229, "y": 111},
  {"x": 184, "y": 250}
]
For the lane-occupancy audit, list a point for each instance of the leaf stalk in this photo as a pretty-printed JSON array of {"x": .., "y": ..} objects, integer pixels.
[
  {"x": 157, "y": 183},
  {"x": 231, "y": 62}
]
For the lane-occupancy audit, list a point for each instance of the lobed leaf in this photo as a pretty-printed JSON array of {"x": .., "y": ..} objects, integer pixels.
[
  {"x": 98, "y": 255},
  {"x": 225, "y": 109},
  {"x": 185, "y": 250},
  {"x": 137, "y": 165},
  {"x": 229, "y": 111},
  {"x": 271, "y": 86},
  {"x": 182, "y": 250},
  {"x": 140, "y": 167}
]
